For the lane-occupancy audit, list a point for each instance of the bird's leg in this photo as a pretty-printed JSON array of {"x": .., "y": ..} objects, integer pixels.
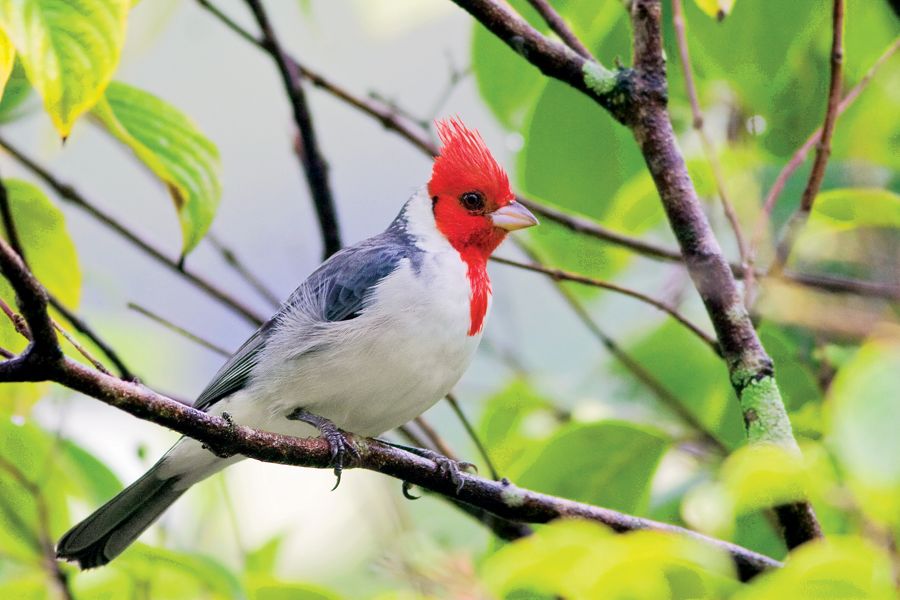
[
  {"x": 336, "y": 439},
  {"x": 447, "y": 466}
]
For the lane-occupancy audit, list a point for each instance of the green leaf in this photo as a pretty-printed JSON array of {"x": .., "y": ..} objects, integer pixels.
[
  {"x": 832, "y": 567},
  {"x": 847, "y": 208},
  {"x": 581, "y": 559},
  {"x": 508, "y": 83},
  {"x": 513, "y": 420},
  {"x": 717, "y": 9},
  {"x": 262, "y": 560},
  {"x": 796, "y": 380},
  {"x": 69, "y": 48},
  {"x": 15, "y": 93},
  {"x": 86, "y": 475},
  {"x": 694, "y": 375},
  {"x": 171, "y": 574},
  {"x": 273, "y": 589},
  {"x": 863, "y": 413},
  {"x": 172, "y": 147},
  {"x": 576, "y": 157},
  {"x": 51, "y": 255},
  {"x": 610, "y": 463}
]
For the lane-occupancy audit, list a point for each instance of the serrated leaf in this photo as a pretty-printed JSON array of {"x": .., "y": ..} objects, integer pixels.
[
  {"x": 51, "y": 255},
  {"x": 171, "y": 146},
  {"x": 69, "y": 48},
  {"x": 7, "y": 59},
  {"x": 610, "y": 463}
]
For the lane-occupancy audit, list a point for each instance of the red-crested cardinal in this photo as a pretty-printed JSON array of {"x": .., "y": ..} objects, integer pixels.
[{"x": 373, "y": 338}]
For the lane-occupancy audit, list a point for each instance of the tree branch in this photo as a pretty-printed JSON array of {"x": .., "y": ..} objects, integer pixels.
[
  {"x": 708, "y": 148},
  {"x": 823, "y": 147},
  {"x": 389, "y": 118},
  {"x": 750, "y": 368},
  {"x": 245, "y": 272},
  {"x": 499, "y": 498},
  {"x": 638, "y": 99},
  {"x": 44, "y": 361},
  {"x": 642, "y": 375},
  {"x": 559, "y": 27},
  {"x": 69, "y": 194},
  {"x": 559, "y": 275},
  {"x": 314, "y": 165}
]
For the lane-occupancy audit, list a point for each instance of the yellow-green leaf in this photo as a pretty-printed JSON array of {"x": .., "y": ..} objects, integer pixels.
[
  {"x": 846, "y": 208},
  {"x": 172, "y": 147},
  {"x": 51, "y": 255},
  {"x": 863, "y": 413},
  {"x": 833, "y": 567},
  {"x": 7, "y": 58},
  {"x": 718, "y": 9},
  {"x": 69, "y": 48}
]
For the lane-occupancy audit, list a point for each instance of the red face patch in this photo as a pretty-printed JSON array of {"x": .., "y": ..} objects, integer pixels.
[{"x": 466, "y": 185}]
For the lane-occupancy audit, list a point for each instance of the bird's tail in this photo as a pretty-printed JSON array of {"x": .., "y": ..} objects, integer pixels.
[{"x": 117, "y": 524}]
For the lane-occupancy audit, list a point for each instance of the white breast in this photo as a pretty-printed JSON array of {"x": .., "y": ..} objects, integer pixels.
[{"x": 391, "y": 363}]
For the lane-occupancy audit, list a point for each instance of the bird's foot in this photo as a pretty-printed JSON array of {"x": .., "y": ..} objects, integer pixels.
[
  {"x": 338, "y": 442},
  {"x": 448, "y": 467}
]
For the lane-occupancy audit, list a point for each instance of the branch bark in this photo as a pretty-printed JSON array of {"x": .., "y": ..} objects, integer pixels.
[
  {"x": 314, "y": 166},
  {"x": 44, "y": 361},
  {"x": 69, "y": 194},
  {"x": 392, "y": 121},
  {"x": 638, "y": 99}
]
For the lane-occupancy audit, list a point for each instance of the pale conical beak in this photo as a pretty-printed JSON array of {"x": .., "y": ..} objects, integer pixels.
[{"x": 513, "y": 216}]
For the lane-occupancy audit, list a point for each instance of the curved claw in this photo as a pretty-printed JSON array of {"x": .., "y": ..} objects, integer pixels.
[
  {"x": 407, "y": 486},
  {"x": 340, "y": 447}
]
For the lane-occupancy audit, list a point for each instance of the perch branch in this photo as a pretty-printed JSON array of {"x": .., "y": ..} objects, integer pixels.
[{"x": 44, "y": 361}]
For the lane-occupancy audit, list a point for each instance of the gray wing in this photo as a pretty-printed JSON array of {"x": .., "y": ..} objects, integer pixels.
[
  {"x": 342, "y": 284},
  {"x": 235, "y": 373}
]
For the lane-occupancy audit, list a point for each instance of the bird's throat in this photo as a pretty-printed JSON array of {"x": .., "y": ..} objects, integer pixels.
[{"x": 479, "y": 287}]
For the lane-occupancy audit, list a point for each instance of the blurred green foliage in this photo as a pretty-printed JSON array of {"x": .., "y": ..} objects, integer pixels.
[{"x": 762, "y": 75}]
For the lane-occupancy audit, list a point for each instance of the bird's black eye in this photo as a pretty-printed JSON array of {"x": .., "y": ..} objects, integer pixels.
[{"x": 472, "y": 201}]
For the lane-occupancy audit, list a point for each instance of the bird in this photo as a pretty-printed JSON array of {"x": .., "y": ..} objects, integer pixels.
[{"x": 373, "y": 338}]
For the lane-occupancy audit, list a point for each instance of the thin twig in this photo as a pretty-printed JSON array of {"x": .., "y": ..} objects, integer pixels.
[
  {"x": 392, "y": 121},
  {"x": 69, "y": 194},
  {"x": 642, "y": 375},
  {"x": 473, "y": 435},
  {"x": 559, "y": 275},
  {"x": 16, "y": 319},
  {"x": 42, "y": 538},
  {"x": 42, "y": 362},
  {"x": 81, "y": 349},
  {"x": 708, "y": 148},
  {"x": 823, "y": 147},
  {"x": 383, "y": 114},
  {"x": 232, "y": 260},
  {"x": 12, "y": 232},
  {"x": 799, "y": 157},
  {"x": 559, "y": 27},
  {"x": 437, "y": 442},
  {"x": 179, "y": 330},
  {"x": 6, "y": 353},
  {"x": 314, "y": 166},
  {"x": 82, "y": 327}
]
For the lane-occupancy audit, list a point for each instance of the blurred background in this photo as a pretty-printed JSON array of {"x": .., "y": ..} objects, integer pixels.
[{"x": 559, "y": 412}]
